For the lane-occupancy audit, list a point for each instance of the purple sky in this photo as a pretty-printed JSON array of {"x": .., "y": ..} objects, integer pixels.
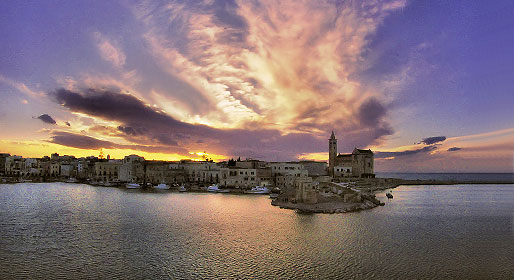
[{"x": 262, "y": 79}]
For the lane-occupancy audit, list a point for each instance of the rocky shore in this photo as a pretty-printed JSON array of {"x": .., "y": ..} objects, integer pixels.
[{"x": 327, "y": 207}]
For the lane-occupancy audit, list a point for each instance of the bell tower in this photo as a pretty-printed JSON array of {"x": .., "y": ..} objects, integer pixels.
[{"x": 332, "y": 153}]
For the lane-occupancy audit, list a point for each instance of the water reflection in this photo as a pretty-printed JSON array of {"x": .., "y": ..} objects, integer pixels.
[{"x": 79, "y": 231}]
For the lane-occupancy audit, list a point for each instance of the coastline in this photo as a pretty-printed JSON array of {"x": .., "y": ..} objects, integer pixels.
[
  {"x": 366, "y": 188},
  {"x": 363, "y": 191}
]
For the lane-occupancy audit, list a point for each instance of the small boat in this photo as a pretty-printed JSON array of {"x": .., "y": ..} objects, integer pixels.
[
  {"x": 258, "y": 190},
  {"x": 273, "y": 195},
  {"x": 162, "y": 186},
  {"x": 214, "y": 188},
  {"x": 389, "y": 195},
  {"x": 72, "y": 180},
  {"x": 133, "y": 186},
  {"x": 182, "y": 189}
]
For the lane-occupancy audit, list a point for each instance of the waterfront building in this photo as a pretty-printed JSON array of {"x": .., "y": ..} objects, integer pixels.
[
  {"x": 360, "y": 163},
  {"x": 3, "y": 156},
  {"x": 44, "y": 168},
  {"x": 30, "y": 167},
  {"x": 107, "y": 171},
  {"x": 13, "y": 165},
  {"x": 132, "y": 169},
  {"x": 264, "y": 177},
  {"x": 306, "y": 190},
  {"x": 55, "y": 169},
  {"x": 201, "y": 171},
  {"x": 163, "y": 172},
  {"x": 285, "y": 173},
  {"x": 238, "y": 177},
  {"x": 67, "y": 170}
]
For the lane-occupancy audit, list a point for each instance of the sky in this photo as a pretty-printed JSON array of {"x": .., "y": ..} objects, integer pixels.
[{"x": 427, "y": 85}]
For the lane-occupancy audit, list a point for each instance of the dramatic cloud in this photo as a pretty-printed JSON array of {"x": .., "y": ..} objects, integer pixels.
[
  {"x": 90, "y": 143},
  {"x": 433, "y": 140},
  {"x": 371, "y": 112},
  {"x": 147, "y": 125},
  {"x": 453, "y": 149},
  {"x": 80, "y": 141},
  {"x": 286, "y": 65},
  {"x": 47, "y": 119}
]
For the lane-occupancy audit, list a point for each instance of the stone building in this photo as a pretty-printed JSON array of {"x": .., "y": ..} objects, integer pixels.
[
  {"x": 107, "y": 171},
  {"x": 132, "y": 169},
  {"x": 158, "y": 172},
  {"x": 2, "y": 162},
  {"x": 360, "y": 163},
  {"x": 201, "y": 171},
  {"x": 306, "y": 190},
  {"x": 238, "y": 177}
]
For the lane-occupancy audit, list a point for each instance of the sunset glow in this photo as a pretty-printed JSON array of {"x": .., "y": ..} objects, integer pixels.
[{"x": 171, "y": 80}]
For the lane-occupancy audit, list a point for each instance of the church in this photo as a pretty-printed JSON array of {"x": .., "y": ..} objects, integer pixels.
[{"x": 357, "y": 164}]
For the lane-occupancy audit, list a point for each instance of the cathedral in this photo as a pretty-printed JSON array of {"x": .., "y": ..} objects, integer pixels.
[{"x": 357, "y": 164}]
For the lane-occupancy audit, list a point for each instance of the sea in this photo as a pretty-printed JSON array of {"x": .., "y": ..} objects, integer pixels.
[
  {"x": 474, "y": 177},
  {"x": 77, "y": 231}
]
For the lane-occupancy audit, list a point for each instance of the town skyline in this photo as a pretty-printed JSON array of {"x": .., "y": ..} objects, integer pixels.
[{"x": 426, "y": 87}]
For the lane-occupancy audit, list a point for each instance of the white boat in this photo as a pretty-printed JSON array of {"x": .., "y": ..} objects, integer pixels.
[
  {"x": 133, "y": 186},
  {"x": 72, "y": 180},
  {"x": 213, "y": 188},
  {"x": 182, "y": 189},
  {"x": 162, "y": 186},
  {"x": 258, "y": 190},
  {"x": 273, "y": 195},
  {"x": 216, "y": 189}
]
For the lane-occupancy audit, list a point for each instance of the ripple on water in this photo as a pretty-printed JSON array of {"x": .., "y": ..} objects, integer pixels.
[{"x": 78, "y": 231}]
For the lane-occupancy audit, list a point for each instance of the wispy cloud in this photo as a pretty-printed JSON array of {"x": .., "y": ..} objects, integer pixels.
[
  {"x": 21, "y": 87},
  {"x": 109, "y": 51},
  {"x": 285, "y": 65}
]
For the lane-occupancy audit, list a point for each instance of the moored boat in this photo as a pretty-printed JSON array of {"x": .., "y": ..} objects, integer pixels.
[
  {"x": 162, "y": 186},
  {"x": 72, "y": 180},
  {"x": 132, "y": 186},
  {"x": 182, "y": 189},
  {"x": 258, "y": 190},
  {"x": 214, "y": 188}
]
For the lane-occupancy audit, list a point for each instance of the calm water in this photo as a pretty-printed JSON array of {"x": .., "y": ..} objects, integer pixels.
[
  {"x": 425, "y": 232},
  {"x": 497, "y": 177}
]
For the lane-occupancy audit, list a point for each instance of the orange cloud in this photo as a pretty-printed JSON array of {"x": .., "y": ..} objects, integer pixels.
[{"x": 284, "y": 65}]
